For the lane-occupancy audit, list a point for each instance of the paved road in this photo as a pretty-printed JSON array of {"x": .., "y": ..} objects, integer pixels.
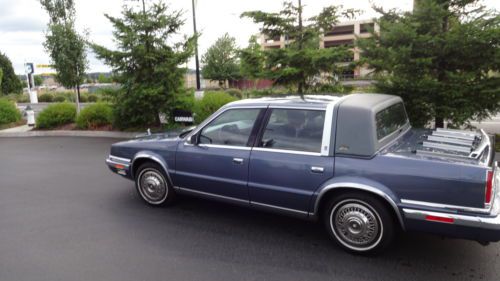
[{"x": 64, "y": 216}]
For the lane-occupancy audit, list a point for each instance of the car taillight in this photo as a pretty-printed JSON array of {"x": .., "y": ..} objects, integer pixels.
[{"x": 489, "y": 188}]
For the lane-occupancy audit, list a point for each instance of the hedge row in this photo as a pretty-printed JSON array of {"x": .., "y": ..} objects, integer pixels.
[
  {"x": 90, "y": 117},
  {"x": 8, "y": 112}
]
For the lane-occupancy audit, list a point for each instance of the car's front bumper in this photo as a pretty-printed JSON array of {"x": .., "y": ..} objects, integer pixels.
[{"x": 119, "y": 165}]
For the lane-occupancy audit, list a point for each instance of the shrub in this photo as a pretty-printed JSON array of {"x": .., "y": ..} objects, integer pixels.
[
  {"x": 84, "y": 97},
  {"x": 95, "y": 115},
  {"x": 210, "y": 103},
  {"x": 46, "y": 97},
  {"x": 59, "y": 98},
  {"x": 8, "y": 112},
  {"x": 92, "y": 98},
  {"x": 235, "y": 93},
  {"x": 107, "y": 94},
  {"x": 56, "y": 115}
]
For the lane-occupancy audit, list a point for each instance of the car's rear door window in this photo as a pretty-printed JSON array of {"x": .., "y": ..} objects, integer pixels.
[
  {"x": 232, "y": 127},
  {"x": 294, "y": 130}
]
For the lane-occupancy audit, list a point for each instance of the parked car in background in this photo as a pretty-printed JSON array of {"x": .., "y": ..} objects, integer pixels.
[{"x": 353, "y": 162}]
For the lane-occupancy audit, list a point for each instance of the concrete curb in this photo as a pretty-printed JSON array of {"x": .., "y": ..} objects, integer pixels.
[{"x": 95, "y": 134}]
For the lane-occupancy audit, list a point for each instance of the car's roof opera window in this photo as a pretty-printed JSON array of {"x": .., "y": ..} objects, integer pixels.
[
  {"x": 294, "y": 130},
  {"x": 390, "y": 119}
]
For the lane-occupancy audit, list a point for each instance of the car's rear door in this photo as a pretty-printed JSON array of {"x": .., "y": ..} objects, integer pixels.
[
  {"x": 218, "y": 164},
  {"x": 286, "y": 165}
]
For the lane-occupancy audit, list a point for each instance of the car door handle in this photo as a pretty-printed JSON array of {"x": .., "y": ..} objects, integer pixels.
[
  {"x": 237, "y": 160},
  {"x": 318, "y": 170}
]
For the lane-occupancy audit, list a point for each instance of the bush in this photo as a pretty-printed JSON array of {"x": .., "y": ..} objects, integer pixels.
[
  {"x": 8, "y": 112},
  {"x": 84, "y": 97},
  {"x": 94, "y": 116},
  {"x": 56, "y": 115},
  {"x": 93, "y": 98},
  {"x": 59, "y": 98},
  {"x": 235, "y": 93},
  {"x": 210, "y": 103},
  {"x": 46, "y": 97},
  {"x": 107, "y": 94}
]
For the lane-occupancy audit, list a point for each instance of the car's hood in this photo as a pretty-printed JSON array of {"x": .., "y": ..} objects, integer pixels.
[{"x": 172, "y": 133}]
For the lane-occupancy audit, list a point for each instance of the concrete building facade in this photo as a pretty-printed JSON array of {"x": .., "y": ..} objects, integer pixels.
[{"x": 344, "y": 33}]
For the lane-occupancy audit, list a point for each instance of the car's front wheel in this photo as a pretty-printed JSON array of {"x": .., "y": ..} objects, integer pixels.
[
  {"x": 152, "y": 185},
  {"x": 359, "y": 223}
]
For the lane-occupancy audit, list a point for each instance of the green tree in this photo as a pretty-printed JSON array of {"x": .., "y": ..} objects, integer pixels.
[
  {"x": 10, "y": 82},
  {"x": 439, "y": 59},
  {"x": 221, "y": 61},
  {"x": 252, "y": 60},
  {"x": 38, "y": 80},
  {"x": 147, "y": 63},
  {"x": 1, "y": 77},
  {"x": 103, "y": 79},
  {"x": 302, "y": 61},
  {"x": 64, "y": 44}
]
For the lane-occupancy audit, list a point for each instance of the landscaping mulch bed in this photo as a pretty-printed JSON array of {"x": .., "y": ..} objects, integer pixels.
[
  {"x": 72, "y": 127},
  {"x": 12, "y": 125}
]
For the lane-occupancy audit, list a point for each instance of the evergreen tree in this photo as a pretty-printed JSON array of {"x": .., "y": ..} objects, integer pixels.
[
  {"x": 146, "y": 63},
  {"x": 439, "y": 59},
  {"x": 10, "y": 82},
  {"x": 221, "y": 61},
  {"x": 252, "y": 61},
  {"x": 302, "y": 61}
]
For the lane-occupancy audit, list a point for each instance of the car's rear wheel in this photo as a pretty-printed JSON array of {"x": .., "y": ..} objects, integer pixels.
[
  {"x": 359, "y": 223},
  {"x": 152, "y": 185}
]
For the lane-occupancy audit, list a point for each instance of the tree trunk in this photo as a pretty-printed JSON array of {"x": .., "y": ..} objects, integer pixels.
[
  {"x": 77, "y": 99},
  {"x": 439, "y": 122}
]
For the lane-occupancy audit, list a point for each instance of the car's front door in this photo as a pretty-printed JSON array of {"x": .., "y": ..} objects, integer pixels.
[
  {"x": 286, "y": 166},
  {"x": 217, "y": 163}
]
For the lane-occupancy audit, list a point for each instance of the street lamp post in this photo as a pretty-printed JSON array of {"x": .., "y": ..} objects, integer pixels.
[{"x": 196, "y": 50}]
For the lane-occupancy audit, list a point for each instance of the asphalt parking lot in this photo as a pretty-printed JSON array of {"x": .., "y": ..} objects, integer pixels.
[{"x": 65, "y": 216}]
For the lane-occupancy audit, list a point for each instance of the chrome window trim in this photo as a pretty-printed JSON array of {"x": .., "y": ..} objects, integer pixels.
[
  {"x": 112, "y": 157},
  {"x": 217, "y": 114},
  {"x": 237, "y": 147},
  {"x": 286, "y": 151},
  {"x": 327, "y": 130},
  {"x": 284, "y": 106},
  {"x": 446, "y": 207}
]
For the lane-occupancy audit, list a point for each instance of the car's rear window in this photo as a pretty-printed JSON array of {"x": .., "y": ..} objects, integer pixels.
[{"x": 390, "y": 119}]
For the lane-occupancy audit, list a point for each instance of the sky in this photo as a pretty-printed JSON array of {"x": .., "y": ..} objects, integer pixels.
[{"x": 23, "y": 23}]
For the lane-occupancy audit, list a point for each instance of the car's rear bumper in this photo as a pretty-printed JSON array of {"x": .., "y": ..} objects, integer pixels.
[
  {"x": 119, "y": 165},
  {"x": 481, "y": 228}
]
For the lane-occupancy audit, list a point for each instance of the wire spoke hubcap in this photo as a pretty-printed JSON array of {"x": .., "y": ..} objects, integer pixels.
[
  {"x": 356, "y": 224},
  {"x": 152, "y": 186}
]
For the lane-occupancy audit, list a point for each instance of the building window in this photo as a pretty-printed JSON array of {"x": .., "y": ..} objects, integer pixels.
[
  {"x": 366, "y": 27},
  {"x": 341, "y": 30},
  {"x": 347, "y": 43},
  {"x": 273, "y": 39}
]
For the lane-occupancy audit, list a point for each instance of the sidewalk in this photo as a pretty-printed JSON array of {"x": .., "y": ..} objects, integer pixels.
[
  {"x": 26, "y": 131},
  {"x": 20, "y": 129}
]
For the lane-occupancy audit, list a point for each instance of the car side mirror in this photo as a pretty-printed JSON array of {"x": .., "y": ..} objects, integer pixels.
[{"x": 193, "y": 139}]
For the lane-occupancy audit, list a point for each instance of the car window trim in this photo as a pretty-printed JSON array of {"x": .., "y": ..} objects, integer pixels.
[
  {"x": 217, "y": 114},
  {"x": 325, "y": 140}
]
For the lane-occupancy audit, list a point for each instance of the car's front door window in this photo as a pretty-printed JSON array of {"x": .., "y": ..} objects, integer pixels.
[{"x": 233, "y": 127}]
